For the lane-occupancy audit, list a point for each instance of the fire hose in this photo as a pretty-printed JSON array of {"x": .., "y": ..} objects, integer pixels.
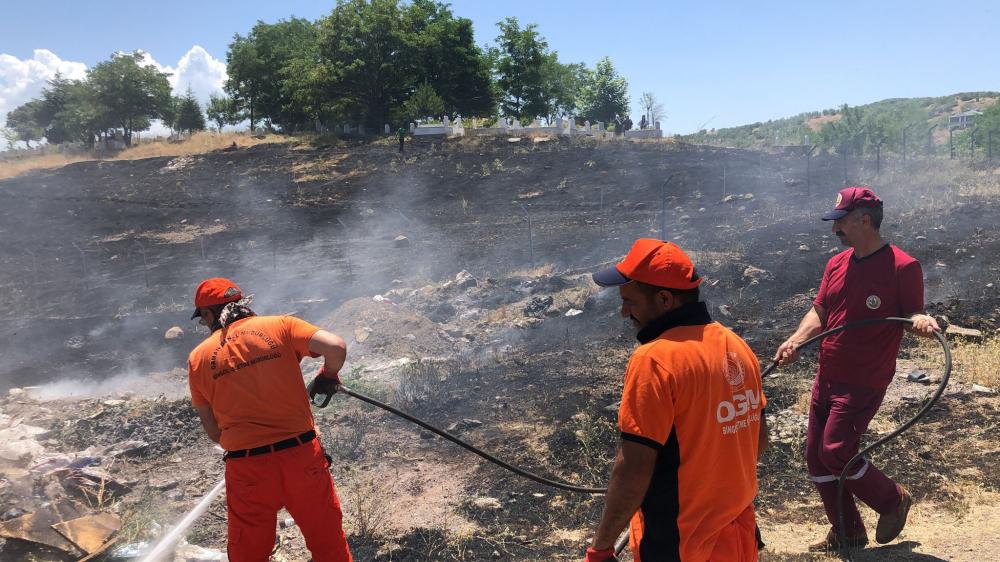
[{"x": 620, "y": 544}]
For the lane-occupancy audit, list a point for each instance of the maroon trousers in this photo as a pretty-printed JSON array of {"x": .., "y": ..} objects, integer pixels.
[{"x": 839, "y": 414}]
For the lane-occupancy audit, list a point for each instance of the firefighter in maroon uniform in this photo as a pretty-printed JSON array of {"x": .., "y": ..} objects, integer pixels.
[{"x": 872, "y": 279}]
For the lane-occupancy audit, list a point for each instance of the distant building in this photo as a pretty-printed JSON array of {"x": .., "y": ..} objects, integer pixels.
[{"x": 964, "y": 119}]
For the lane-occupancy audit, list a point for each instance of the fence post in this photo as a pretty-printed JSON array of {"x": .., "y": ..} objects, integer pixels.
[
  {"x": 809, "y": 170},
  {"x": 989, "y": 149},
  {"x": 951, "y": 143},
  {"x": 531, "y": 245},
  {"x": 930, "y": 140},
  {"x": 83, "y": 263},
  {"x": 972, "y": 145},
  {"x": 663, "y": 208}
]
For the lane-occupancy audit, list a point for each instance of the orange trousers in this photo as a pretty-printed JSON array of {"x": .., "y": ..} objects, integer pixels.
[
  {"x": 736, "y": 542},
  {"x": 297, "y": 479}
]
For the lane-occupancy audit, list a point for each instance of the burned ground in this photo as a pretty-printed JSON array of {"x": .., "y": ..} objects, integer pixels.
[{"x": 478, "y": 322}]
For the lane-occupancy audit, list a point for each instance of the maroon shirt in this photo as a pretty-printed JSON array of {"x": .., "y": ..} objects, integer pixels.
[{"x": 885, "y": 283}]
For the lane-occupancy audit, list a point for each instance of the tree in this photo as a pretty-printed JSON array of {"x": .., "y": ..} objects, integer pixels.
[
  {"x": 423, "y": 103},
  {"x": 519, "y": 66},
  {"x": 170, "y": 112},
  {"x": 23, "y": 121},
  {"x": 448, "y": 59},
  {"x": 368, "y": 59},
  {"x": 71, "y": 111},
  {"x": 651, "y": 108},
  {"x": 10, "y": 136},
  {"x": 222, "y": 111},
  {"x": 134, "y": 93},
  {"x": 605, "y": 94},
  {"x": 189, "y": 115},
  {"x": 245, "y": 82},
  {"x": 563, "y": 83},
  {"x": 258, "y": 67}
]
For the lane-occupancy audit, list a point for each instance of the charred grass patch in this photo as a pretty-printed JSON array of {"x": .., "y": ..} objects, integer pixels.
[{"x": 164, "y": 425}]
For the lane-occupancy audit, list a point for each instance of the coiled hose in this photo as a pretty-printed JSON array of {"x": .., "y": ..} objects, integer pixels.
[{"x": 586, "y": 490}]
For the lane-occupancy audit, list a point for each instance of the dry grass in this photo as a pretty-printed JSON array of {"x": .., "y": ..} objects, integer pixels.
[
  {"x": 198, "y": 143},
  {"x": 978, "y": 362},
  {"x": 12, "y": 168}
]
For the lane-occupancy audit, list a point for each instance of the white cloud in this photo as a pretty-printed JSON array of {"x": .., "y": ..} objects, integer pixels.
[
  {"x": 197, "y": 69},
  {"x": 22, "y": 80}
]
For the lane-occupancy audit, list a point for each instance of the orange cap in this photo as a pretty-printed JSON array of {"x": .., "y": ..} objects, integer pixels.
[
  {"x": 654, "y": 262},
  {"x": 215, "y": 291}
]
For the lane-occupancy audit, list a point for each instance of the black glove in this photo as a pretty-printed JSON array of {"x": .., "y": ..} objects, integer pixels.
[{"x": 325, "y": 384}]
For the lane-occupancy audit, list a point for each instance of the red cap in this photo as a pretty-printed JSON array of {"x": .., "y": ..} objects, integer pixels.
[
  {"x": 654, "y": 262},
  {"x": 215, "y": 291},
  {"x": 851, "y": 198}
]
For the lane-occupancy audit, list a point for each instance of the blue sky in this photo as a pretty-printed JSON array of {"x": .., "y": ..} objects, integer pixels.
[{"x": 711, "y": 63}]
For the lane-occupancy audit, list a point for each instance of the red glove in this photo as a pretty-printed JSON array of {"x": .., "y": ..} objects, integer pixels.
[{"x": 606, "y": 555}]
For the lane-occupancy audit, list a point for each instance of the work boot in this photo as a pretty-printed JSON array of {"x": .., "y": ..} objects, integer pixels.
[
  {"x": 832, "y": 544},
  {"x": 892, "y": 523}
]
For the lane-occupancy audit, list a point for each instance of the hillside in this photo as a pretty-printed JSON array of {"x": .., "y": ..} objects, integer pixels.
[{"x": 804, "y": 127}]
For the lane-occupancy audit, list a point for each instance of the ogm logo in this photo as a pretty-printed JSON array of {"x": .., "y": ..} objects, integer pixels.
[
  {"x": 873, "y": 302},
  {"x": 742, "y": 403},
  {"x": 734, "y": 371}
]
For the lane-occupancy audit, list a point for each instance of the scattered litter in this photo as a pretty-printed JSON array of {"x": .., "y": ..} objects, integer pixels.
[
  {"x": 968, "y": 333},
  {"x": 129, "y": 551},
  {"x": 487, "y": 503},
  {"x": 918, "y": 376},
  {"x": 361, "y": 334},
  {"x": 90, "y": 532},
  {"x": 980, "y": 389},
  {"x": 804, "y": 248},
  {"x": 38, "y": 528},
  {"x": 538, "y": 305},
  {"x": 573, "y": 312}
]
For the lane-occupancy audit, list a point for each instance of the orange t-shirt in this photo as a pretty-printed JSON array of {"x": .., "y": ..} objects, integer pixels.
[
  {"x": 249, "y": 374},
  {"x": 694, "y": 394}
]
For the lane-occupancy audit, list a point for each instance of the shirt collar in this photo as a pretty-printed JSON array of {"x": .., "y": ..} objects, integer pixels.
[{"x": 691, "y": 314}]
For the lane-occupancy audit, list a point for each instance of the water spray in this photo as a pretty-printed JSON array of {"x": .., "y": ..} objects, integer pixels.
[{"x": 165, "y": 546}]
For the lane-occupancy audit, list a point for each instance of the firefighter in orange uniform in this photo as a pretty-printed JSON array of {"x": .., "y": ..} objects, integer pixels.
[
  {"x": 247, "y": 388},
  {"x": 691, "y": 421}
]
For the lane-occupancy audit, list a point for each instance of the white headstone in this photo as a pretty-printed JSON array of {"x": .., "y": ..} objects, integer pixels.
[
  {"x": 517, "y": 123},
  {"x": 413, "y": 127},
  {"x": 586, "y": 125},
  {"x": 559, "y": 123},
  {"x": 387, "y": 128},
  {"x": 446, "y": 122},
  {"x": 657, "y": 125}
]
